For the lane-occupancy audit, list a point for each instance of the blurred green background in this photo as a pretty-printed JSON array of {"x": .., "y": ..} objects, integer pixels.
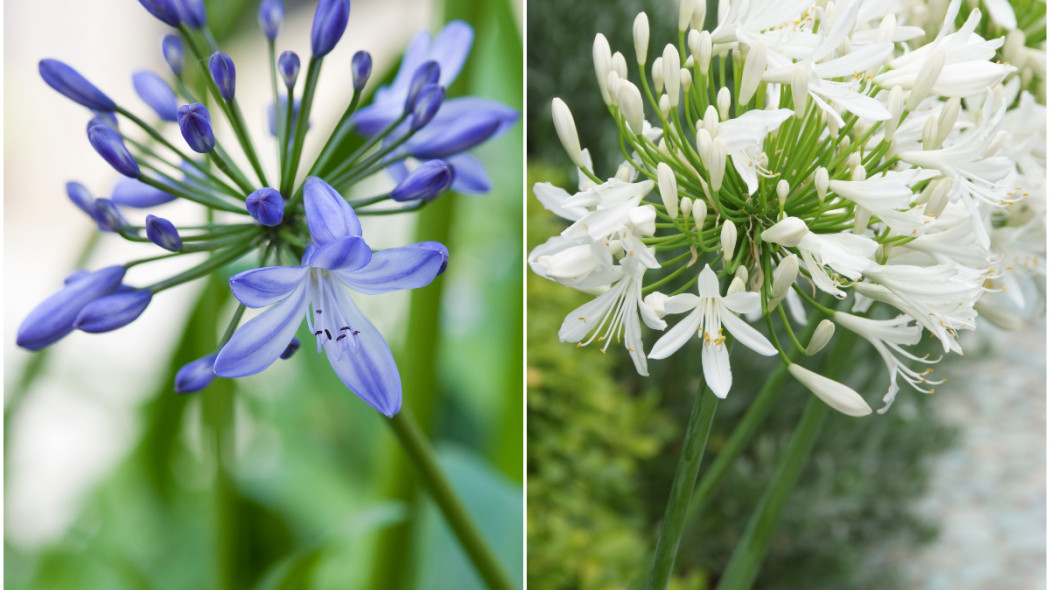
[{"x": 320, "y": 495}]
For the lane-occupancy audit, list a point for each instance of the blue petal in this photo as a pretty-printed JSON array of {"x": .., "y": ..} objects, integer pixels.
[
  {"x": 260, "y": 287},
  {"x": 133, "y": 193},
  {"x": 453, "y": 109},
  {"x": 469, "y": 175},
  {"x": 409, "y": 267},
  {"x": 53, "y": 318},
  {"x": 260, "y": 342},
  {"x": 328, "y": 215},
  {"x": 370, "y": 370},
  {"x": 112, "y": 312},
  {"x": 450, "y": 49},
  {"x": 347, "y": 254},
  {"x": 373, "y": 118},
  {"x": 156, "y": 93}
]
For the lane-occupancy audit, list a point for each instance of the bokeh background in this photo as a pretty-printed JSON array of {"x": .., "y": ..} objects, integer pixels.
[
  {"x": 942, "y": 492},
  {"x": 107, "y": 481}
]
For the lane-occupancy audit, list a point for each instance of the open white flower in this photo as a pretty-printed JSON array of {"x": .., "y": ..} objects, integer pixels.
[{"x": 709, "y": 312}]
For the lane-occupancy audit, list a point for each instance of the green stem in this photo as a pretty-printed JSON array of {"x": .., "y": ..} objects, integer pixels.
[
  {"x": 418, "y": 450},
  {"x": 218, "y": 434},
  {"x": 688, "y": 465}
]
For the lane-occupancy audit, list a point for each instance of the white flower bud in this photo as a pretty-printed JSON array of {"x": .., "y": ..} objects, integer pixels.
[
  {"x": 938, "y": 196},
  {"x": 687, "y": 80},
  {"x": 655, "y": 301},
  {"x": 782, "y": 192},
  {"x": 668, "y": 184},
  {"x": 566, "y": 129},
  {"x": 895, "y": 104},
  {"x": 723, "y": 101},
  {"x": 619, "y": 64},
  {"x": 927, "y": 77},
  {"x": 754, "y": 67},
  {"x": 741, "y": 274},
  {"x": 642, "y": 220},
  {"x": 787, "y": 232},
  {"x": 821, "y": 181},
  {"x": 624, "y": 172},
  {"x": 672, "y": 73},
  {"x": 692, "y": 42},
  {"x": 710, "y": 120},
  {"x": 929, "y": 133},
  {"x": 685, "y": 14},
  {"x": 997, "y": 142},
  {"x": 612, "y": 84},
  {"x": 861, "y": 219},
  {"x": 630, "y": 100},
  {"x": 831, "y": 392},
  {"x": 665, "y": 105},
  {"x": 717, "y": 168},
  {"x": 832, "y": 123},
  {"x": 858, "y": 173},
  {"x": 641, "y": 37},
  {"x": 1014, "y": 49},
  {"x": 784, "y": 276},
  {"x": 685, "y": 206},
  {"x": 852, "y": 161},
  {"x": 658, "y": 75},
  {"x": 737, "y": 284},
  {"x": 699, "y": 14},
  {"x": 728, "y": 239},
  {"x": 886, "y": 29},
  {"x": 699, "y": 214},
  {"x": 602, "y": 55},
  {"x": 946, "y": 122},
  {"x": 821, "y": 336},
  {"x": 799, "y": 89},
  {"x": 703, "y": 53}
]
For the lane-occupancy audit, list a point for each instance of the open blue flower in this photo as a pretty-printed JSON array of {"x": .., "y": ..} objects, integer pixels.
[{"x": 338, "y": 260}]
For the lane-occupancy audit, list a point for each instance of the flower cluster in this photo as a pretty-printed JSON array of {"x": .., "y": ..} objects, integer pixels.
[
  {"x": 306, "y": 235},
  {"x": 805, "y": 158}
]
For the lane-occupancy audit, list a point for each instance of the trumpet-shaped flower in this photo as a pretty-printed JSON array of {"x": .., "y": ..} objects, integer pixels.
[
  {"x": 338, "y": 260},
  {"x": 708, "y": 313}
]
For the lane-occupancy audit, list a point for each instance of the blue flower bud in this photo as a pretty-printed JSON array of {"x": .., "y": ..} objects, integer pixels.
[
  {"x": 133, "y": 193},
  {"x": 195, "y": 376},
  {"x": 223, "y": 73},
  {"x": 162, "y": 232},
  {"x": 361, "y": 69},
  {"x": 53, "y": 318},
  {"x": 108, "y": 216},
  {"x": 155, "y": 92},
  {"x": 469, "y": 131},
  {"x": 290, "y": 349},
  {"x": 110, "y": 146},
  {"x": 266, "y": 206},
  {"x": 171, "y": 47},
  {"x": 192, "y": 12},
  {"x": 112, "y": 312},
  {"x": 288, "y": 66},
  {"x": 329, "y": 24},
  {"x": 81, "y": 197},
  {"x": 425, "y": 75},
  {"x": 271, "y": 14},
  {"x": 70, "y": 84},
  {"x": 425, "y": 183},
  {"x": 427, "y": 105},
  {"x": 164, "y": 10},
  {"x": 195, "y": 125}
]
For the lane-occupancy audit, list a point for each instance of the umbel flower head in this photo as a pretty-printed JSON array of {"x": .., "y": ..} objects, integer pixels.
[
  {"x": 829, "y": 158},
  {"x": 300, "y": 230}
]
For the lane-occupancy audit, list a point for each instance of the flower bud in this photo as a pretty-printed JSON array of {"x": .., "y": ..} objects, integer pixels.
[
  {"x": 717, "y": 164},
  {"x": 895, "y": 104},
  {"x": 821, "y": 181},
  {"x": 699, "y": 14},
  {"x": 821, "y": 336},
  {"x": 787, "y": 232},
  {"x": 692, "y": 43},
  {"x": 424, "y": 183},
  {"x": 728, "y": 239},
  {"x": 629, "y": 99},
  {"x": 926, "y": 78},
  {"x": 602, "y": 56},
  {"x": 699, "y": 214},
  {"x": 130, "y": 192},
  {"x": 196, "y": 375},
  {"x": 685, "y": 14},
  {"x": 108, "y": 216},
  {"x": 266, "y": 206},
  {"x": 618, "y": 64},
  {"x": 223, "y": 74},
  {"x": 938, "y": 196},
  {"x": 612, "y": 83},
  {"x": 163, "y": 10},
  {"x": 290, "y": 349},
  {"x": 723, "y": 100},
  {"x": 672, "y": 63},
  {"x": 81, "y": 197},
  {"x": 687, "y": 79},
  {"x": 833, "y": 393},
  {"x": 668, "y": 188},
  {"x": 427, "y": 105},
  {"x": 665, "y": 108},
  {"x": 329, "y": 24},
  {"x": 641, "y": 37},
  {"x": 288, "y": 66},
  {"x": 737, "y": 284},
  {"x": 655, "y": 301},
  {"x": 110, "y": 146},
  {"x": 658, "y": 75},
  {"x": 361, "y": 69},
  {"x": 161, "y": 232},
  {"x": 53, "y": 318},
  {"x": 470, "y": 130},
  {"x": 192, "y": 13},
  {"x": 271, "y": 15},
  {"x": 997, "y": 142},
  {"x": 946, "y": 121},
  {"x": 425, "y": 75},
  {"x": 156, "y": 93},
  {"x": 784, "y": 276},
  {"x": 171, "y": 48},
  {"x": 754, "y": 67},
  {"x": 566, "y": 129},
  {"x": 782, "y": 192},
  {"x": 704, "y": 50},
  {"x": 112, "y": 312},
  {"x": 70, "y": 84},
  {"x": 685, "y": 207},
  {"x": 195, "y": 125},
  {"x": 799, "y": 89}
]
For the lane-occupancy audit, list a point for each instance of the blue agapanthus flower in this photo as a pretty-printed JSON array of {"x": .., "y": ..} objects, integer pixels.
[{"x": 270, "y": 218}]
